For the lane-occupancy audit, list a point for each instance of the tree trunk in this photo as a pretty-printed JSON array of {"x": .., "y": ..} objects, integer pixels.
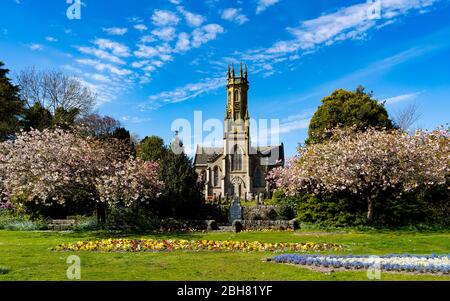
[
  {"x": 371, "y": 201},
  {"x": 370, "y": 208},
  {"x": 101, "y": 213}
]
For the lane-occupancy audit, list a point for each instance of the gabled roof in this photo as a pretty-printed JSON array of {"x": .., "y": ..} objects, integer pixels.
[{"x": 205, "y": 155}]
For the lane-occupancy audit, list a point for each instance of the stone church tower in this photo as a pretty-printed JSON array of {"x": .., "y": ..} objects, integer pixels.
[{"x": 237, "y": 168}]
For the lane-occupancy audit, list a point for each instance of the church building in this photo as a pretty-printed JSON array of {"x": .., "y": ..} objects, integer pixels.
[{"x": 237, "y": 168}]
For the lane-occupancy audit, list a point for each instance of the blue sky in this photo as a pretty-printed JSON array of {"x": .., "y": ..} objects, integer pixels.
[{"x": 152, "y": 62}]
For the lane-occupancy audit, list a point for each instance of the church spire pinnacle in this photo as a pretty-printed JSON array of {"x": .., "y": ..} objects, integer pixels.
[
  {"x": 240, "y": 71},
  {"x": 229, "y": 72},
  {"x": 232, "y": 72}
]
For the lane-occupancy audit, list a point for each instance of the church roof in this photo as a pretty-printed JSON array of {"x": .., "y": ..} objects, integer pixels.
[{"x": 205, "y": 155}]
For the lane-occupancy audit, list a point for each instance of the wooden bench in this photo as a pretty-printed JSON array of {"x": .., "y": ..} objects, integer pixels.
[{"x": 62, "y": 224}]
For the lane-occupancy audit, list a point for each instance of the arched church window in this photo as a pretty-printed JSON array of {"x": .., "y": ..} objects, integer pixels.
[
  {"x": 216, "y": 177},
  {"x": 237, "y": 159},
  {"x": 258, "y": 179},
  {"x": 236, "y": 96}
]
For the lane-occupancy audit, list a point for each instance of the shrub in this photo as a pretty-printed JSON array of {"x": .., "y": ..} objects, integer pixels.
[
  {"x": 85, "y": 223},
  {"x": 134, "y": 217},
  {"x": 421, "y": 208},
  {"x": 286, "y": 211},
  {"x": 278, "y": 196},
  {"x": 216, "y": 212},
  {"x": 15, "y": 222},
  {"x": 330, "y": 210}
]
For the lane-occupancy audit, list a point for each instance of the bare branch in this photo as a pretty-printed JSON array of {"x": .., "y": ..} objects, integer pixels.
[
  {"x": 407, "y": 117},
  {"x": 54, "y": 89}
]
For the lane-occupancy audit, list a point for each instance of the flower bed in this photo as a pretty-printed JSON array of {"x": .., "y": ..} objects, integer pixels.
[
  {"x": 400, "y": 263},
  {"x": 150, "y": 245}
]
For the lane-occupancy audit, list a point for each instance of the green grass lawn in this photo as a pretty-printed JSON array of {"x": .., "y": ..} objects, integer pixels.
[{"x": 28, "y": 256}]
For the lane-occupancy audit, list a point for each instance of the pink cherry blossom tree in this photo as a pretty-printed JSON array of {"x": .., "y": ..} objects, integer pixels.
[
  {"x": 53, "y": 165},
  {"x": 367, "y": 163},
  {"x": 5, "y": 148},
  {"x": 132, "y": 181}
]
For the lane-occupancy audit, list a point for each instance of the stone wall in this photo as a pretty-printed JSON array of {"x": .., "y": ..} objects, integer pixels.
[
  {"x": 260, "y": 212},
  {"x": 171, "y": 225},
  {"x": 268, "y": 225}
]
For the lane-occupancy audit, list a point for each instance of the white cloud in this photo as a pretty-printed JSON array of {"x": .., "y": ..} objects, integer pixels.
[
  {"x": 205, "y": 34},
  {"x": 164, "y": 18},
  {"x": 184, "y": 93},
  {"x": 234, "y": 15},
  {"x": 135, "y": 20},
  {"x": 183, "y": 43},
  {"x": 140, "y": 27},
  {"x": 176, "y": 2},
  {"x": 347, "y": 23},
  {"x": 295, "y": 125},
  {"x": 147, "y": 39},
  {"x": 162, "y": 52},
  {"x": 99, "y": 66},
  {"x": 106, "y": 91},
  {"x": 164, "y": 33},
  {"x": 101, "y": 54},
  {"x": 264, "y": 4},
  {"x": 290, "y": 124},
  {"x": 192, "y": 19},
  {"x": 145, "y": 51},
  {"x": 136, "y": 119},
  {"x": 116, "y": 48},
  {"x": 157, "y": 63},
  {"x": 115, "y": 31},
  {"x": 99, "y": 77},
  {"x": 36, "y": 47},
  {"x": 72, "y": 69},
  {"x": 139, "y": 64},
  {"x": 51, "y": 39},
  {"x": 402, "y": 98}
]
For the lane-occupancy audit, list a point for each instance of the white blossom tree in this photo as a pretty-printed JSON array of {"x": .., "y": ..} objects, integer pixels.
[
  {"x": 52, "y": 165},
  {"x": 367, "y": 163},
  {"x": 5, "y": 148},
  {"x": 133, "y": 181}
]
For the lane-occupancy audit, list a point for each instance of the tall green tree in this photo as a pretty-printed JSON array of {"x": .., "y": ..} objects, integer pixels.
[
  {"x": 346, "y": 108},
  {"x": 182, "y": 194},
  {"x": 152, "y": 148},
  {"x": 123, "y": 134},
  {"x": 65, "y": 118},
  {"x": 37, "y": 117},
  {"x": 181, "y": 197},
  {"x": 11, "y": 106}
]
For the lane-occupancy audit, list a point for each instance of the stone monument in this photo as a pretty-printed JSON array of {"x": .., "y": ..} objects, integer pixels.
[{"x": 235, "y": 209}]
